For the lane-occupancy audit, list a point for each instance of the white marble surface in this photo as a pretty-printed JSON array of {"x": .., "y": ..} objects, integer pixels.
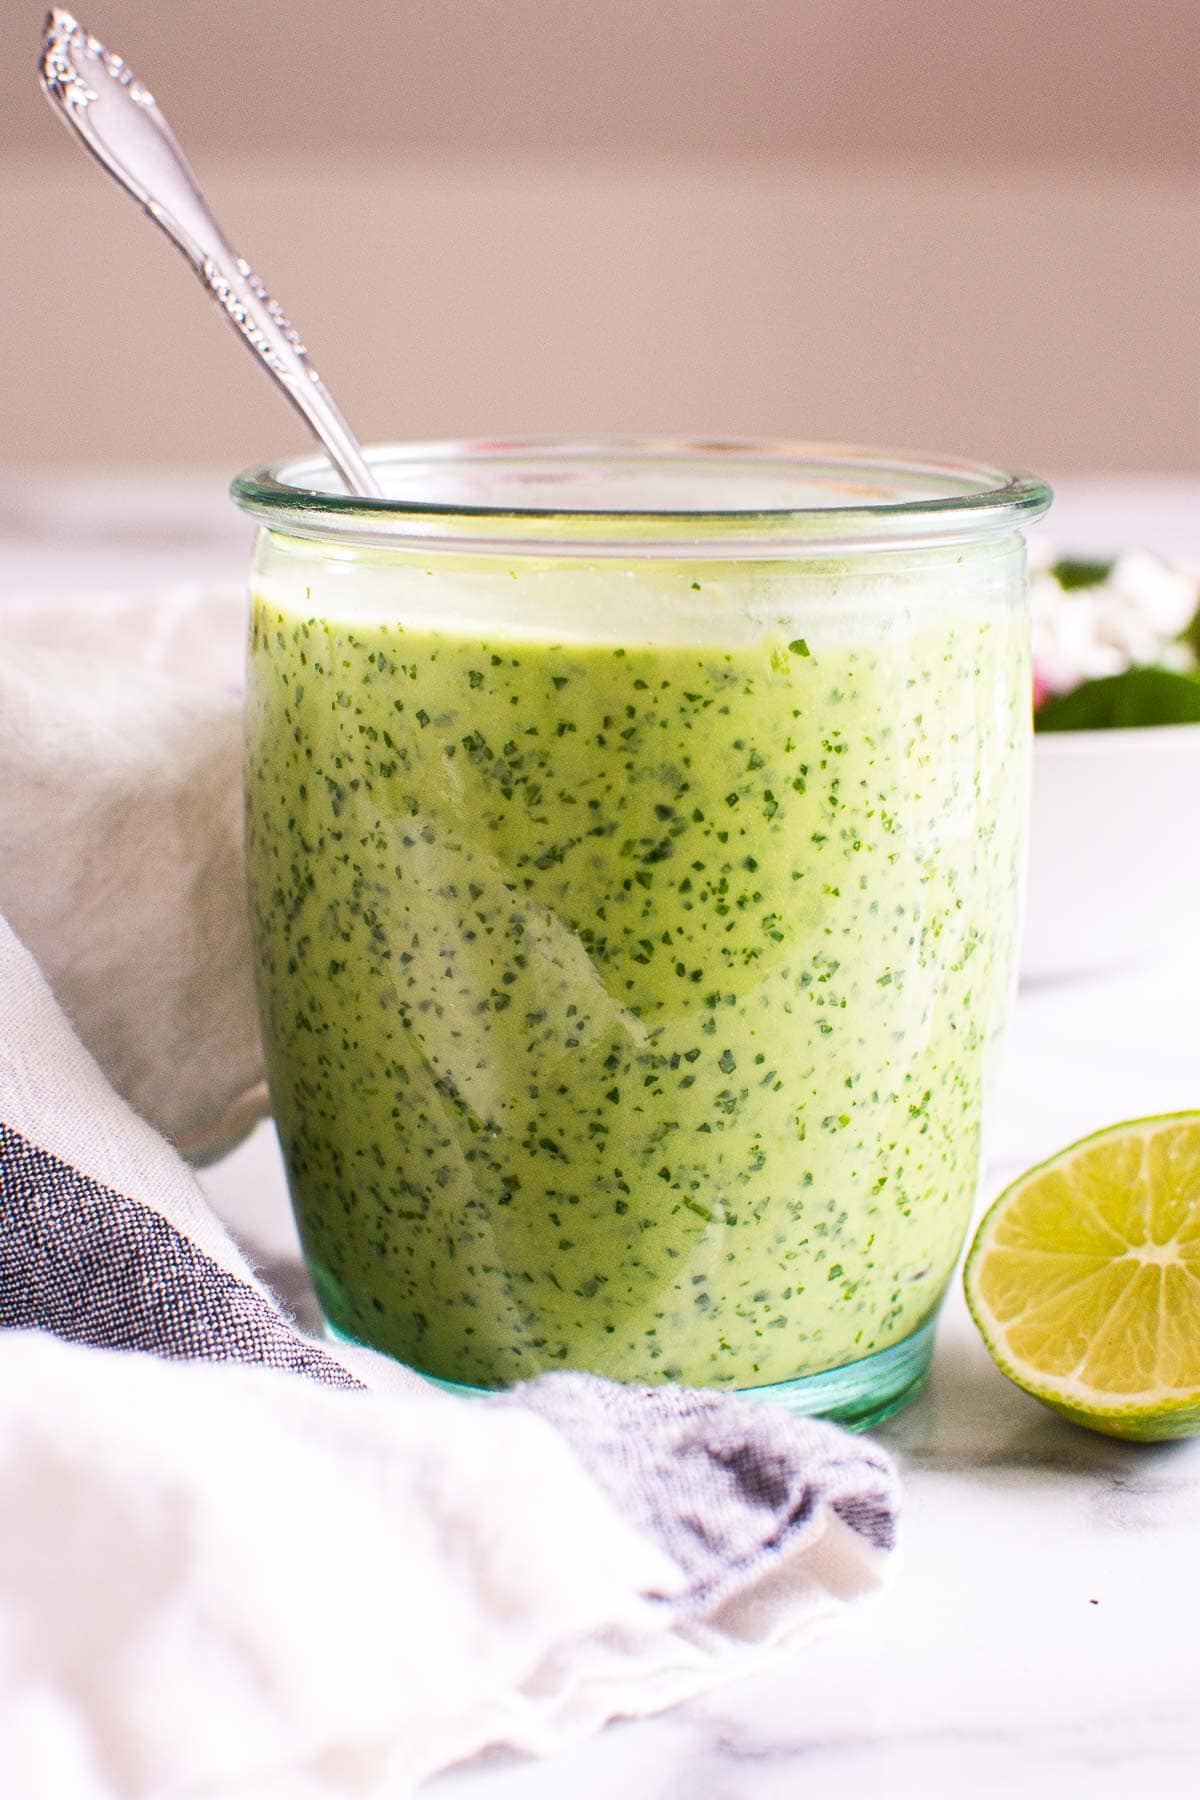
[{"x": 1042, "y": 1631}]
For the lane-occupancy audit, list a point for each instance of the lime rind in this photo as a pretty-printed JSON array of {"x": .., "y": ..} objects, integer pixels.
[{"x": 1119, "y": 1199}]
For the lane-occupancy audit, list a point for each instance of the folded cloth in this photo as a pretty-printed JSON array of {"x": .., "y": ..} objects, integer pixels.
[
  {"x": 235, "y": 1561},
  {"x": 238, "y": 1563},
  {"x": 121, "y": 837}
]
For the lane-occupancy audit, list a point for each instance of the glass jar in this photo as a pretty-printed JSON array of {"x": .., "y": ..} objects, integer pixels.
[{"x": 635, "y": 835}]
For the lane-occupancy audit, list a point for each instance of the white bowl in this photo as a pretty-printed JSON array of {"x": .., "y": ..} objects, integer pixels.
[{"x": 1114, "y": 851}]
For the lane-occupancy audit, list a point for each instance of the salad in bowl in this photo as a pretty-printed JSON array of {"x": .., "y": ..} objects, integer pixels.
[
  {"x": 1115, "y": 644},
  {"x": 1114, "y": 847}
]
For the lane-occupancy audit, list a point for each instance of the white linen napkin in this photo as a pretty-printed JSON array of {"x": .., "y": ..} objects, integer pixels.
[
  {"x": 121, "y": 844},
  {"x": 233, "y": 1561}
]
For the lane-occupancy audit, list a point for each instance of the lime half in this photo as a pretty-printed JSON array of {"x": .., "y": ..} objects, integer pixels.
[{"x": 1084, "y": 1279}]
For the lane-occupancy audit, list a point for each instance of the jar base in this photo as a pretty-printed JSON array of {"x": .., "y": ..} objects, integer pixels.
[{"x": 858, "y": 1395}]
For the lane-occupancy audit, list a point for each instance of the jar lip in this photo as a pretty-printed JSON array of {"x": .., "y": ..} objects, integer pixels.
[{"x": 878, "y": 498}]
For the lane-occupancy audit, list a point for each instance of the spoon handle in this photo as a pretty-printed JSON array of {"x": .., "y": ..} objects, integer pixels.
[{"x": 98, "y": 96}]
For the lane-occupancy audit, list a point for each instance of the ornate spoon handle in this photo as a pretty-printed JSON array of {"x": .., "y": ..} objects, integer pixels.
[{"x": 99, "y": 97}]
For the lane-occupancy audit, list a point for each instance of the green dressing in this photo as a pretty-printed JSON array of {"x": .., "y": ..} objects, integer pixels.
[{"x": 630, "y": 990}]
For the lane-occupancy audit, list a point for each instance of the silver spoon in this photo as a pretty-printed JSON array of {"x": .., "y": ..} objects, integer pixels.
[{"x": 97, "y": 95}]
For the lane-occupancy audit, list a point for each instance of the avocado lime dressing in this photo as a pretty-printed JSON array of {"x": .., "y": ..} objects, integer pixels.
[{"x": 632, "y": 942}]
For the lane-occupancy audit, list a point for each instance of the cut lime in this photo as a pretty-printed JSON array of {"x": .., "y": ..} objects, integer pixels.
[{"x": 1084, "y": 1279}]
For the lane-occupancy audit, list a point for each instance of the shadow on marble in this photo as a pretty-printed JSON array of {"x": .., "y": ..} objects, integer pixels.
[{"x": 969, "y": 1416}]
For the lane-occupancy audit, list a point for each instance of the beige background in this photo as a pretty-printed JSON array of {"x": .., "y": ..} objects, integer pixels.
[{"x": 972, "y": 227}]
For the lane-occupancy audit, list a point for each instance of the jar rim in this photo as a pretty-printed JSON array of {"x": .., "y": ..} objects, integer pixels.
[{"x": 876, "y": 499}]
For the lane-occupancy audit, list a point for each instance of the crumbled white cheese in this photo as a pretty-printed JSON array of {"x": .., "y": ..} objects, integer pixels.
[{"x": 1132, "y": 619}]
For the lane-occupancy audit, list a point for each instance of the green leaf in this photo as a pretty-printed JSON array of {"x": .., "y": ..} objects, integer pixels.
[
  {"x": 1191, "y": 637},
  {"x": 1074, "y": 572},
  {"x": 1138, "y": 697}
]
